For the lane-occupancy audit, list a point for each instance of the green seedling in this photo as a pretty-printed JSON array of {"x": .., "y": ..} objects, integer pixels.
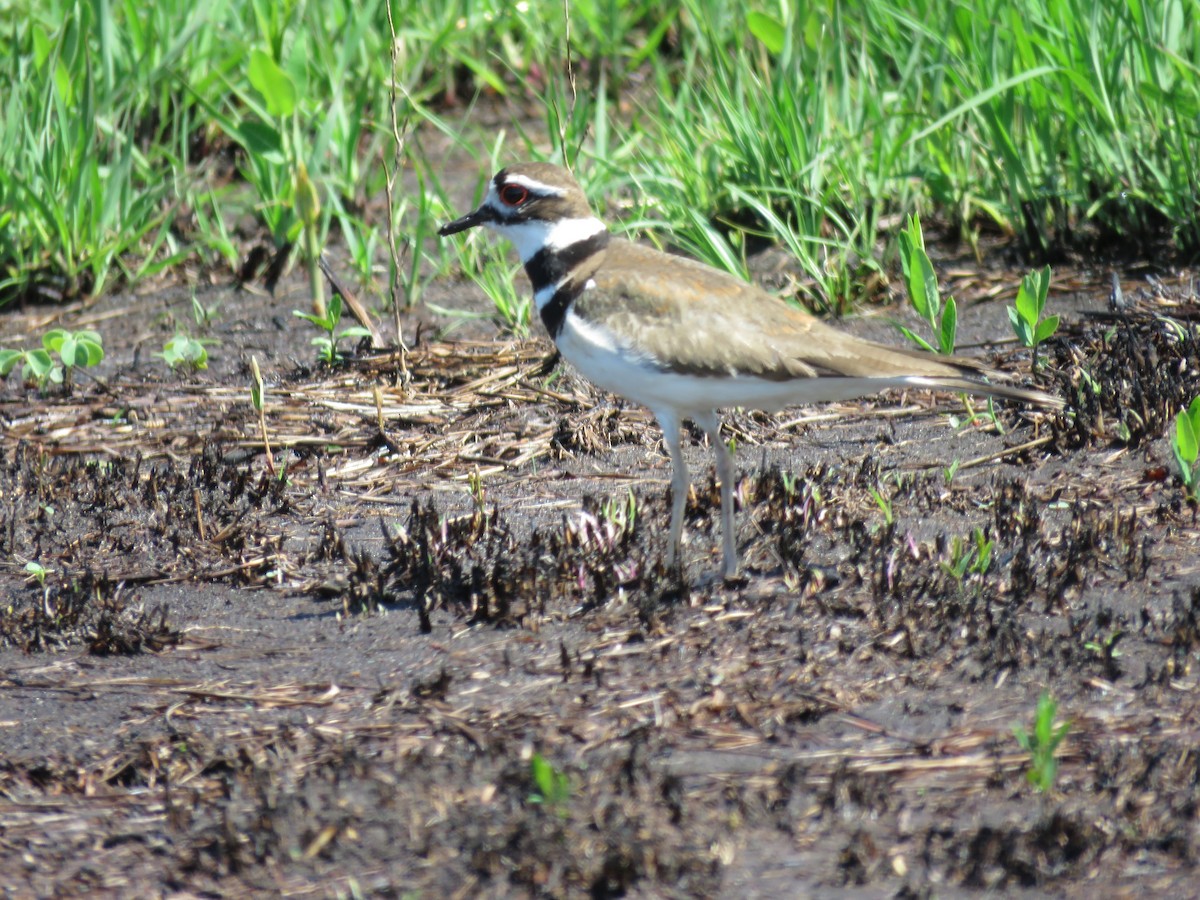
[
  {"x": 973, "y": 557},
  {"x": 74, "y": 350},
  {"x": 1028, "y": 324},
  {"x": 884, "y": 503},
  {"x": 259, "y": 400},
  {"x": 789, "y": 483},
  {"x": 977, "y": 418},
  {"x": 477, "y": 491},
  {"x": 950, "y": 471},
  {"x": 923, "y": 292},
  {"x": 187, "y": 353},
  {"x": 37, "y": 572},
  {"x": 204, "y": 316},
  {"x": 34, "y": 363},
  {"x": 1043, "y": 743},
  {"x": 327, "y": 343},
  {"x": 1106, "y": 648},
  {"x": 551, "y": 786},
  {"x": 1185, "y": 445},
  {"x": 619, "y": 514},
  {"x": 983, "y": 552}
]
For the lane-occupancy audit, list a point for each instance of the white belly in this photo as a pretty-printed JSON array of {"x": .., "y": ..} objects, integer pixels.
[{"x": 623, "y": 371}]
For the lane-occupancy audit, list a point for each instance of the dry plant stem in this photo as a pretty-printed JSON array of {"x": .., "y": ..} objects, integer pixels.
[
  {"x": 453, "y": 386},
  {"x": 199, "y": 514},
  {"x": 1007, "y": 451},
  {"x": 393, "y": 287},
  {"x": 261, "y": 408},
  {"x": 350, "y": 299},
  {"x": 266, "y": 441},
  {"x": 562, "y": 129},
  {"x": 399, "y": 141}
]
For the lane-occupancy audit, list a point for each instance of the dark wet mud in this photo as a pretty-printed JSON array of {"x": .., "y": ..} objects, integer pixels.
[{"x": 430, "y": 649}]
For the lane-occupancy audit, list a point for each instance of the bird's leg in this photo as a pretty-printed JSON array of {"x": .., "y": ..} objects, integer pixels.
[
  {"x": 711, "y": 426},
  {"x": 679, "y": 484}
]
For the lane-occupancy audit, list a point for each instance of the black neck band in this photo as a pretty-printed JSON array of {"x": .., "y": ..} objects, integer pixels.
[{"x": 547, "y": 267}]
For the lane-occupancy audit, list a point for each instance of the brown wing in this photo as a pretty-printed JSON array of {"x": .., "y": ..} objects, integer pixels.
[{"x": 718, "y": 324}]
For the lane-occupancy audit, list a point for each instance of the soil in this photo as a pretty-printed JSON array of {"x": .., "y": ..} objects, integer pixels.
[{"x": 430, "y": 649}]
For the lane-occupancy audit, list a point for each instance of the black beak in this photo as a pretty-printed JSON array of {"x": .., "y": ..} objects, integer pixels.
[{"x": 470, "y": 220}]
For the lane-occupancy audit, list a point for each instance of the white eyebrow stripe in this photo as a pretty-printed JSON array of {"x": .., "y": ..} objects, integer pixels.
[{"x": 532, "y": 184}]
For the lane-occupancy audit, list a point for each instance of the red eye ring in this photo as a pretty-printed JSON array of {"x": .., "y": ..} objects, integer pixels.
[{"x": 514, "y": 194}]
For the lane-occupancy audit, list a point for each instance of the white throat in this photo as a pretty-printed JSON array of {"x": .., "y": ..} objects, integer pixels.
[{"x": 535, "y": 234}]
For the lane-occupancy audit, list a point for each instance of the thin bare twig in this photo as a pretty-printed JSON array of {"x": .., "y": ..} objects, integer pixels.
[
  {"x": 562, "y": 127},
  {"x": 350, "y": 299},
  {"x": 400, "y": 141}
]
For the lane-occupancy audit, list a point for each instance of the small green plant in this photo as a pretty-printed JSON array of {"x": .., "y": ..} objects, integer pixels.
[
  {"x": 923, "y": 292},
  {"x": 551, "y": 786},
  {"x": 1026, "y": 314},
  {"x": 37, "y": 572},
  {"x": 76, "y": 349},
  {"x": 619, "y": 515},
  {"x": 204, "y": 316},
  {"x": 1185, "y": 444},
  {"x": 477, "y": 491},
  {"x": 969, "y": 557},
  {"x": 1106, "y": 648},
  {"x": 327, "y": 343},
  {"x": 789, "y": 483},
  {"x": 184, "y": 352},
  {"x": 950, "y": 471},
  {"x": 258, "y": 398},
  {"x": 10, "y": 359},
  {"x": 884, "y": 503},
  {"x": 983, "y": 552},
  {"x": 1043, "y": 743}
]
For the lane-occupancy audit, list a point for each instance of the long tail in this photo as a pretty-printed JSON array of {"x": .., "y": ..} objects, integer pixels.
[{"x": 985, "y": 389}]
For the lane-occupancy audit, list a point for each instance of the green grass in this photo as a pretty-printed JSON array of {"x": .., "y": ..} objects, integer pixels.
[
  {"x": 706, "y": 126},
  {"x": 1042, "y": 743}
]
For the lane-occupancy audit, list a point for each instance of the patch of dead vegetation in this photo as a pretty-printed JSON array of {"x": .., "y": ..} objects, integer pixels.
[{"x": 843, "y": 715}]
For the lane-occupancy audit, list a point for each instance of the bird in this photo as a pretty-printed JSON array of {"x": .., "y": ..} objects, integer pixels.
[{"x": 684, "y": 339}]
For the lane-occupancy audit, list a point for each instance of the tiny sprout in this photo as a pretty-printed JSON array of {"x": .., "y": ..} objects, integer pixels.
[
  {"x": 1042, "y": 744},
  {"x": 37, "y": 571}
]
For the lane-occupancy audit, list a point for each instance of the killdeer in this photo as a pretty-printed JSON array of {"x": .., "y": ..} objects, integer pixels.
[{"x": 684, "y": 339}]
